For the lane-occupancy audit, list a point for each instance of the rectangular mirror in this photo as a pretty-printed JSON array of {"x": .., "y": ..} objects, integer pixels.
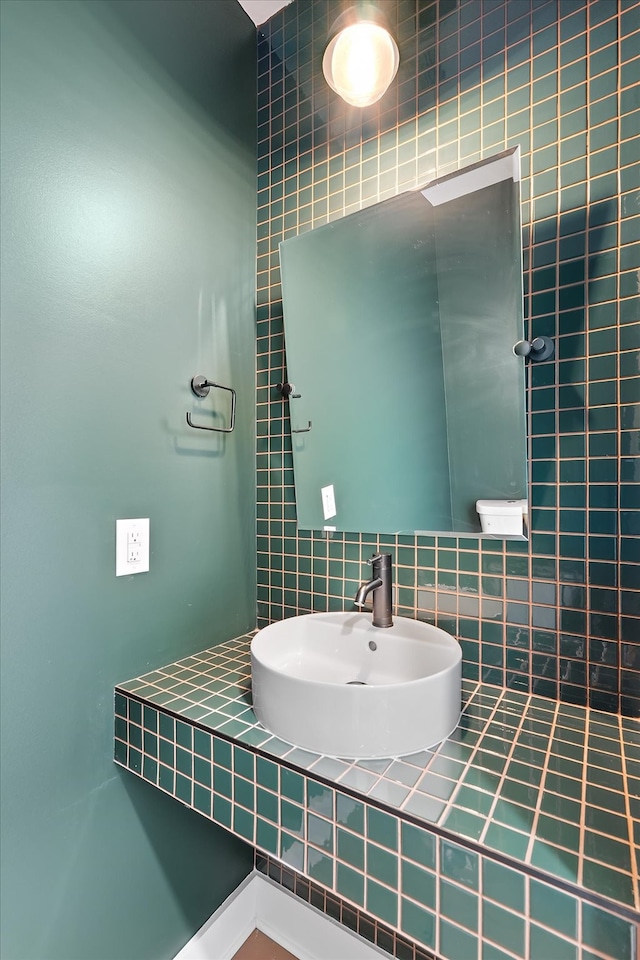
[{"x": 400, "y": 322}]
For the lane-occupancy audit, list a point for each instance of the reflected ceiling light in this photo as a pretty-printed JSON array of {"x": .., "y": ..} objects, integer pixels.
[{"x": 361, "y": 58}]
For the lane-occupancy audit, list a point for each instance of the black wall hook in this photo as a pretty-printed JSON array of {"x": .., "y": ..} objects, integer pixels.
[
  {"x": 286, "y": 390},
  {"x": 542, "y": 348}
]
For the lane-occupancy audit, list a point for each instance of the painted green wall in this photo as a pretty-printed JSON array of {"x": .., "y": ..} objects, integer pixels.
[{"x": 128, "y": 225}]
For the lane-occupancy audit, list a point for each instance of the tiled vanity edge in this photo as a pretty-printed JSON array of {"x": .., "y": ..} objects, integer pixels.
[{"x": 443, "y": 893}]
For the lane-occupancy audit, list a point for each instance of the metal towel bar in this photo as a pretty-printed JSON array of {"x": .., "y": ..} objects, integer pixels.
[{"x": 200, "y": 387}]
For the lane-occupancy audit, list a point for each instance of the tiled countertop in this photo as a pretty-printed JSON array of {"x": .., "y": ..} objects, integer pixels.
[{"x": 546, "y": 784}]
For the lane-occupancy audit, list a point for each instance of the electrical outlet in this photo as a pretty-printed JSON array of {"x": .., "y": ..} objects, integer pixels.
[{"x": 132, "y": 546}]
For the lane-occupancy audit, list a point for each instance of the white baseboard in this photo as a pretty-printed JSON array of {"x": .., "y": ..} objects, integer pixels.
[
  {"x": 226, "y": 930},
  {"x": 298, "y": 927}
]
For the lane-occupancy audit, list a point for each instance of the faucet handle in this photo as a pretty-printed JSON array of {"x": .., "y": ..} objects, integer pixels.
[{"x": 379, "y": 558}]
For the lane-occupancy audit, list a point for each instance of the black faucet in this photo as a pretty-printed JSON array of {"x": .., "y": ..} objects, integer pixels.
[{"x": 380, "y": 586}]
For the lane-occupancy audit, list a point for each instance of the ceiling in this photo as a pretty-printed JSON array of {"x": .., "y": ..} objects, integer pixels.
[{"x": 261, "y": 10}]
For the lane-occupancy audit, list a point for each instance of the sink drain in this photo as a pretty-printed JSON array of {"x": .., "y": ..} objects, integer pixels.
[{"x": 356, "y": 683}]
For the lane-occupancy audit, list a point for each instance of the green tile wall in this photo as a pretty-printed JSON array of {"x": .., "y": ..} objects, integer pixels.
[{"x": 558, "y": 616}]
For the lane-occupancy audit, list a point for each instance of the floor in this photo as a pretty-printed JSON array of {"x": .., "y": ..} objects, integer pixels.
[{"x": 258, "y": 946}]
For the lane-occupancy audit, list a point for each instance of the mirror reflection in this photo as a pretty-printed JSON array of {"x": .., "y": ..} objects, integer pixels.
[{"x": 400, "y": 322}]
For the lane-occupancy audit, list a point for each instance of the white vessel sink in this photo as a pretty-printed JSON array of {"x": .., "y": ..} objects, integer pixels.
[{"x": 335, "y": 684}]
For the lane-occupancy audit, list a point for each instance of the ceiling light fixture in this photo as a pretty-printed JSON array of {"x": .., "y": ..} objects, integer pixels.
[{"x": 362, "y": 56}]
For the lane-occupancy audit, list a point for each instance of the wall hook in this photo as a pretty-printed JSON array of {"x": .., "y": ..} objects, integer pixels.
[
  {"x": 542, "y": 348},
  {"x": 286, "y": 390},
  {"x": 200, "y": 387}
]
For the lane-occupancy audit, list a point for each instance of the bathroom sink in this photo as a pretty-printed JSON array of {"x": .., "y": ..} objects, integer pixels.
[{"x": 335, "y": 684}]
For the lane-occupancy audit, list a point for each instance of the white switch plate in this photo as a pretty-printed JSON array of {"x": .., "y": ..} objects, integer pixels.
[
  {"x": 132, "y": 546},
  {"x": 328, "y": 501}
]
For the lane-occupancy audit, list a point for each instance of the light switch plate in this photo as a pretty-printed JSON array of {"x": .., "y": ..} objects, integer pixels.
[
  {"x": 328, "y": 501},
  {"x": 132, "y": 546}
]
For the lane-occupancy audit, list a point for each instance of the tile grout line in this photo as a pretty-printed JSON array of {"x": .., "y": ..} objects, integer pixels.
[
  {"x": 635, "y": 868},
  {"x": 503, "y": 775},
  {"x": 468, "y": 764},
  {"x": 583, "y": 799},
  {"x": 415, "y": 790},
  {"x": 545, "y": 769}
]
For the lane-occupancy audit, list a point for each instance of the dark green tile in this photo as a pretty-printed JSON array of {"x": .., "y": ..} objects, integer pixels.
[
  {"x": 558, "y": 832},
  {"x": 183, "y": 788},
  {"x": 350, "y": 813},
  {"x": 292, "y": 851},
  {"x": 545, "y": 944},
  {"x": 475, "y": 800},
  {"x": 611, "y": 883},
  {"x": 267, "y": 774},
  {"x": 503, "y": 885},
  {"x": 222, "y": 753},
  {"x": 350, "y": 883},
  {"x": 456, "y": 942},
  {"x": 267, "y": 805},
  {"x": 382, "y": 903},
  {"x": 244, "y": 763},
  {"x": 202, "y": 799},
  {"x": 612, "y": 823},
  {"x": 202, "y": 771},
  {"x": 418, "y": 923},
  {"x": 467, "y": 824},
  {"x": 506, "y": 840},
  {"x": 320, "y": 798},
  {"x": 150, "y": 744},
  {"x": 350, "y": 848},
  {"x": 382, "y": 865},
  {"x": 513, "y": 815},
  {"x": 320, "y": 832},
  {"x": 292, "y": 818},
  {"x": 202, "y": 743},
  {"x": 166, "y": 726},
  {"x": 184, "y": 735},
  {"x": 382, "y": 828},
  {"x": 150, "y": 769},
  {"x": 601, "y": 929},
  {"x": 134, "y": 736},
  {"x": 553, "y": 908},
  {"x": 135, "y": 711},
  {"x": 150, "y": 719},
  {"x": 244, "y": 793},
  {"x": 184, "y": 762},
  {"x": 459, "y": 905},
  {"x": 560, "y": 863},
  {"x": 222, "y": 782},
  {"x": 243, "y": 823},
  {"x": 166, "y": 776},
  {"x": 419, "y": 884},
  {"x": 459, "y": 864},
  {"x": 266, "y": 836},
  {"x": 418, "y": 845},
  {"x": 504, "y": 927},
  {"x": 292, "y": 785},
  {"x": 320, "y": 867},
  {"x": 222, "y": 810}
]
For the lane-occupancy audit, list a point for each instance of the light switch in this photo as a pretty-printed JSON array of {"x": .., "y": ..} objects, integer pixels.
[
  {"x": 328, "y": 501},
  {"x": 132, "y": 546}
]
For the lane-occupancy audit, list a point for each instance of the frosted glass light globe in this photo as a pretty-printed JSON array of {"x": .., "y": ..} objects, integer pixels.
[{"x": 360, "y": 62}]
